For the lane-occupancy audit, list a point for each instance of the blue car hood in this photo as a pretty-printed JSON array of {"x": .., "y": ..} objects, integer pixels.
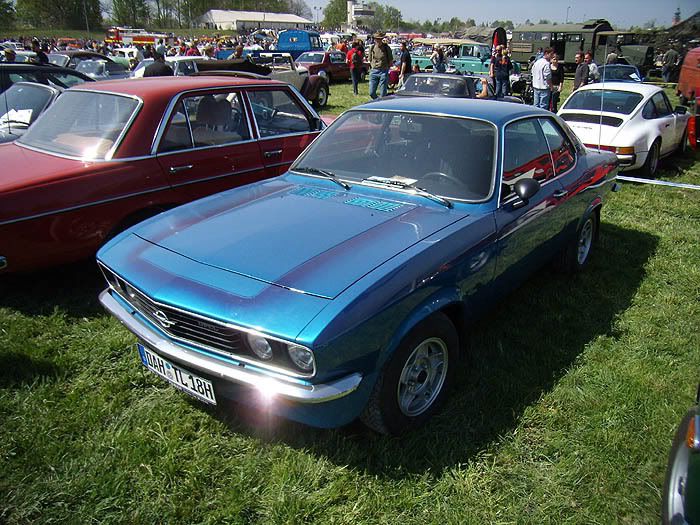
[{"x": 303, "y": 237}]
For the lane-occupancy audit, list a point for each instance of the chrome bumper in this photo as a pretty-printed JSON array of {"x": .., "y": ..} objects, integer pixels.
[
  {"x": 627, "y": 160},
  {"x": 267, "y": 384}
]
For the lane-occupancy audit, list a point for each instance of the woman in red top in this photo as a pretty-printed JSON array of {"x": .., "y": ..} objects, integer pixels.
[{"x": 355, "y": 59}]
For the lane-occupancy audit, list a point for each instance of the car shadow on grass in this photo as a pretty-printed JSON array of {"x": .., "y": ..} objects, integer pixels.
[
  {"x": 71, "y": 289},
  {"x": 516, "y": 353}
]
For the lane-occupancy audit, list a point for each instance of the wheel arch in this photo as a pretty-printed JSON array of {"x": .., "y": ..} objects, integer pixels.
[{"x": 136, "y": 217}]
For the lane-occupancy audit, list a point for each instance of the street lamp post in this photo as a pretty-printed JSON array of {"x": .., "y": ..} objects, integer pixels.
[{"x": 567, "y": 13}]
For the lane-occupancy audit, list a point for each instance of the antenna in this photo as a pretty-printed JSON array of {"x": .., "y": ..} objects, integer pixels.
[{"x": 602, "y": 96}]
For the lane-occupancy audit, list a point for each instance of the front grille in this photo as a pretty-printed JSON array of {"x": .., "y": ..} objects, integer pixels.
[{"x": 202, "y": 332}]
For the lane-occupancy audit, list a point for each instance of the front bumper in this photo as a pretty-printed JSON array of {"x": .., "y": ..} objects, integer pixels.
[
  {"x": 293, "y": 390},
  {"x": 627, "y": 161}
]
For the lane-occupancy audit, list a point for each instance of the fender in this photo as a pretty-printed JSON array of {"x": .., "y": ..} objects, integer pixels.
[
  {"x": 440, "y": 300},
  {"x": 311, "y": 86}
]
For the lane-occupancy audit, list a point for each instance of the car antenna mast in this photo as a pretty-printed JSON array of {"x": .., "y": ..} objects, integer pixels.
[{"x": 602, "y": 96}]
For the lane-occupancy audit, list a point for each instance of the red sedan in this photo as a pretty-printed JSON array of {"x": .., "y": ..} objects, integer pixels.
[
  {"x": 331, "y": 64},
  {"x": 108, "y": 155}
]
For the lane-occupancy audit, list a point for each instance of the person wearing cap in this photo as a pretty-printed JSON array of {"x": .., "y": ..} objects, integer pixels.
[
  {"x": 41, "y": 56},
  {"x": 10, "y": 54},
  {"x": 379, "y": 62},
  {"x": 159, "y": 68}
]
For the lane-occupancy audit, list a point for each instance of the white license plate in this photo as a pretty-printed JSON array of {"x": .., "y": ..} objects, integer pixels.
[{"x": 182, "y": 379}]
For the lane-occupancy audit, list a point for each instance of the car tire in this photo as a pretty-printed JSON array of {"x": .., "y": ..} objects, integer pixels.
[
  {"x": 651, "y": 164},
  {"x": 415, "y": 381},
  {"x": 321, "y": 97},
  {"x": 577, "y": 253},
  {"x": 683, "y": 144},
  {"x": 676, "y": 473}
]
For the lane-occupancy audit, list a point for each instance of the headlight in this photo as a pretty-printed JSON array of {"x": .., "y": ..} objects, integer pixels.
[
  {"x": 301, "y": 357},
  {"x": 260, "y": 346}
]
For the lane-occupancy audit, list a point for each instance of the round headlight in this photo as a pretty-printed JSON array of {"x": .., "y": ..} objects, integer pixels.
[
  {"x": 301, "y": 357},
  {"x": 260, "y": 346}
]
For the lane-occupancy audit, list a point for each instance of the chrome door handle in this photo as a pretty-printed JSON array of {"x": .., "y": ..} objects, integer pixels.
[
  {"x": 175, "y": 169},
  {"x": 273, "y": 153},
  {"x": 560, "y": 194}
]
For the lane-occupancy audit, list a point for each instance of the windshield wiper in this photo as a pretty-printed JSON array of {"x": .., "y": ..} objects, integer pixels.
[
  {"x": 328, "y": 174},
  {"x": 404, "y": 185}
]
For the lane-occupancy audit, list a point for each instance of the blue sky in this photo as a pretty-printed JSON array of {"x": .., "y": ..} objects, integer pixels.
[{"x": 620, "y": 13}]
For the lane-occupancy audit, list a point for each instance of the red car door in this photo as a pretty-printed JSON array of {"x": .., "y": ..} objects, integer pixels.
[
  {"x": 339, "y": 66},
  {"x": 208, "y": 145},
  {"x": 284, "y": 124}
]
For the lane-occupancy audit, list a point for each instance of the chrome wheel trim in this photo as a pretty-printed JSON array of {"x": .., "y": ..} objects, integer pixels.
[
  {"x": 322, "y": 97},
  {"x": 676, "y": 487},
  {"x": 422, "y": 377},
  {"x": 585, "y": 239},
  {"x": 654, "y": 161}
]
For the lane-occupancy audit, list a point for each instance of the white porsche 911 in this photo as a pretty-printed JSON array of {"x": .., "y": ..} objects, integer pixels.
[{"x": 635, "y": 121}]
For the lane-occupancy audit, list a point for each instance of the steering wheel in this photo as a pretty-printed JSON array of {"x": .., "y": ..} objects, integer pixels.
[{"x": 436, "y": 174}]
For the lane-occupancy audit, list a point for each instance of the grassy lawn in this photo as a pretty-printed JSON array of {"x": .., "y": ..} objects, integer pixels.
[{"x": 564, "y": 408}]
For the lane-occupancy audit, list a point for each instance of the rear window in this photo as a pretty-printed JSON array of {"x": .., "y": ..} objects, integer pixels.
[
  {"x": 82, "y": 124},
  {"x": 623, "y": 102},
  {"x": 311, "y": 57}
]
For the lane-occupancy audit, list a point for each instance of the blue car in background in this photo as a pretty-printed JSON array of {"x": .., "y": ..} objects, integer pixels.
[{"x": 344, "y": 288}]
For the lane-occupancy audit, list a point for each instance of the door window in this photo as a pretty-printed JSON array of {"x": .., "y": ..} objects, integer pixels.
[
  {"x": 663, "y": 108},
  {"x": 213, "y": 119},
  {"x": 563, "y": 152},
  {"x": 525, "y": 155},
  {"x": 277, "y": 113}
]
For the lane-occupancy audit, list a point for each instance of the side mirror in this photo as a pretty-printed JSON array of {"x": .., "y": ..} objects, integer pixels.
[
  {"x": 680, "y": 110},
  {"x": 316, "y": 124},
  {"x": 525, "y": 189}
]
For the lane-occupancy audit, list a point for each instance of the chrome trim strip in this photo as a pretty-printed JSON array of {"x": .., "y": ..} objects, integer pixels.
[
  {"x": 198, "y": 148},
  {"x": 303, "y": 393},
  {"x": 214, "y": 177},
  {"x": 295, "y": 134},
  {"x": 80, "y": 206},
  {"x": 81, "y": 159},
  {"x": 278, "y": 164}
]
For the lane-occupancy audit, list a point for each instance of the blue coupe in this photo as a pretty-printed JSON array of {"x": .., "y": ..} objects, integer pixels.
[{"x": 345, "y": 287}]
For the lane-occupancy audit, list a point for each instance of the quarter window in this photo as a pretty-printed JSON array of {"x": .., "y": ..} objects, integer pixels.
[
  {"x": 277, "y": 113},
  {"x": 663, "y": 108},
  {"x": 525, "y": 154},
  {"x": 563, "y": 152}
]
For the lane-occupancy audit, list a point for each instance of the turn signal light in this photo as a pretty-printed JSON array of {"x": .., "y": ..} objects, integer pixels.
[
  {"x": 692, "y": 437},
  {"x": 626, "y": 150}
]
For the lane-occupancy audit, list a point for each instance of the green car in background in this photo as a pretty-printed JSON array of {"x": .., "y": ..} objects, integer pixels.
[{"x": 681, "y": 499}]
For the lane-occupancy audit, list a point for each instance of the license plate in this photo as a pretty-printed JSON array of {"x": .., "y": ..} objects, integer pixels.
[{"x": 182, "y": 379}]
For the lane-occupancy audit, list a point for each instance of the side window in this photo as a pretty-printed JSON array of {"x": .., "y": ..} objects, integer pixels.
[
  {"x": 525, "y": 154},
  {"x": 649, "y": 111},
  {"x": 186, "y": 67},
  {"x": 64, "y": 80},
  {"x": 277, "y": 113},
  {"x": 663, "y": 108},
  {"x": 563, "y": 152},
  {"x": 337, "y": 58},
  {"x": 177, "y": 134},
  {"x": 214, "y": 120},
  {"x": 24, "y": 76}
]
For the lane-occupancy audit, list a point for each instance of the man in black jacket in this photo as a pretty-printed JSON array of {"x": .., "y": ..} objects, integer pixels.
[
  {"x": 581, "y": 76},
  {"x": 159, "y": 68}
]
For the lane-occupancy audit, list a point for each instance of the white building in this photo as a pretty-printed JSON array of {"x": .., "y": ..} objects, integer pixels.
[{"x": 245, "y": 20}]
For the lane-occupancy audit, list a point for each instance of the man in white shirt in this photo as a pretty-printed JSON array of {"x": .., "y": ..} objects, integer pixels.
[
  {"x": 542, "y": 80},
  {"x": 593, "y": 73}
]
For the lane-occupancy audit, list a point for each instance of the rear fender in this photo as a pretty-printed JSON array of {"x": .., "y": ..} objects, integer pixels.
[{"x": 311, "y": 86}]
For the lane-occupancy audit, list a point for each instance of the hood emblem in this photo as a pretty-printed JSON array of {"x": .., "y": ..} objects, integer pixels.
[{"x": 163, "y": 319}]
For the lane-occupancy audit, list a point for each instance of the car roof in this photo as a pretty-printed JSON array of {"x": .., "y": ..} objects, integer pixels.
[
  {"x": 41, "y": 67},
  {"x": 643, "y": 89},
  {"x": 494, "y": 111},
  {"x": 168, "y": 86}
]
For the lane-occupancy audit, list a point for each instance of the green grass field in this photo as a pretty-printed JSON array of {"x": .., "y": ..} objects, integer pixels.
[{"x": 563, "y": 412}]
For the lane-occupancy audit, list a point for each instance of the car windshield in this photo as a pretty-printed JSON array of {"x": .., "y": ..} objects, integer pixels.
[
  {"x": 58, "y": 60},
  {"x": 311, "y": 57},
  {"x": 451, "y": 87},
  {"x": 91, "y": 67},
  {"x": 447, "y": 156},
  {"x": 620, "y": 73},
  {"x": 22, "y": 104},
  {"x": 606, "y": 100},
  {"x": 82, "y": 124}
]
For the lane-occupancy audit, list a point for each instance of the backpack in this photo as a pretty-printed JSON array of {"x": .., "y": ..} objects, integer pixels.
[{"x": 356, "y": 58}]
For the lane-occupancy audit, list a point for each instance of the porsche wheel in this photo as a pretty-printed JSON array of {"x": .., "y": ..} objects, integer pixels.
[
  {"x": 651, "y": 164},
  {"x": 672, "y": 510},
  {"x": 415, "y": 380}
]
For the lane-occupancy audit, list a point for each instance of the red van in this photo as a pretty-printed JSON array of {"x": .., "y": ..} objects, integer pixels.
[{"x": 689, "y": 79}]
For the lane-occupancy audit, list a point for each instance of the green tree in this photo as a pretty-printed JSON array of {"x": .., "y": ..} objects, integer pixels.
[
  {"x": 7, "y": 14},
  {"x": 135, "y": 13},
  {"x": 335, "y": 13},
  {"x": 470, "y": 23},
  {"x": 66, "y": 14},
  {"x": 505, "y": 24}
]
